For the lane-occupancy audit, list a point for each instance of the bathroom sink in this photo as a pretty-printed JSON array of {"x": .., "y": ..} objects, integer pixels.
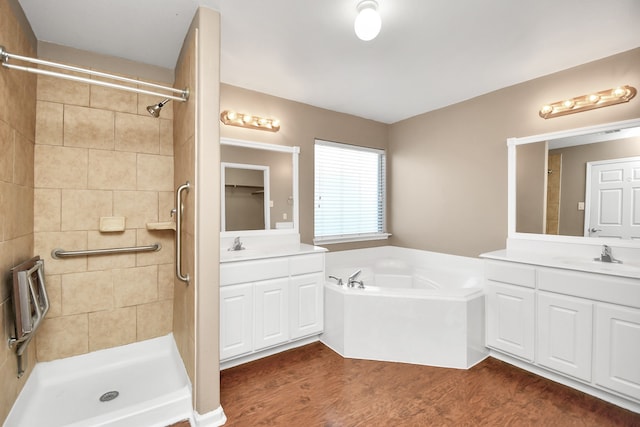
[
  {"x": 241, "y": 254},
  {"x": 624, "y": 268}
]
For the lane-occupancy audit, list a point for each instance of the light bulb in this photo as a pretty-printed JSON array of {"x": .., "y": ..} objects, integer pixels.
[
  {"x": 231, "y": 115},
  {"x": 546, "y": 109},
  {"x": 594, "y": 98},
  {"x": 568, "y": 103},
  {"x": 247, "y": 118},
  {"x": 368, "y": 22},
  {"x": 619, "y": 92}
]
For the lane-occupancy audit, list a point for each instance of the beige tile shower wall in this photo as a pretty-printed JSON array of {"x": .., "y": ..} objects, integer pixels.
[
  {"x": 184, "y": 323},
  {"x": 98, "y": 153},
  {"x": 17, "y": 124}
]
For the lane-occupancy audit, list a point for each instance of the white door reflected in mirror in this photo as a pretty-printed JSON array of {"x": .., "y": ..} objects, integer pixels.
[{"x": 613, "y": 199}]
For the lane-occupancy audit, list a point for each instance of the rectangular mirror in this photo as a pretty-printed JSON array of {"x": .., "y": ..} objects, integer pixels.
[
  {"x": 582, "y": 183},
  {"x": 246, "y": 197},
  {"x": 259, "y": 187}
]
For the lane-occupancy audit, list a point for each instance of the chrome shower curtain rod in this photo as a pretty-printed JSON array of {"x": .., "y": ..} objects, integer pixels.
[{"x": 5, "y": 56}]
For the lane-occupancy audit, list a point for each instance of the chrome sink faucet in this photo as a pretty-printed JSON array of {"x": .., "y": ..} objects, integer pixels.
[
  {"x": 237, "y": 245},
  {"x": 607, "y": 256}
]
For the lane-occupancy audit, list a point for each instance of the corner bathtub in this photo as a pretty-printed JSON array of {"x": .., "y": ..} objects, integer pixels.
[{"x": 417, "y": 307}]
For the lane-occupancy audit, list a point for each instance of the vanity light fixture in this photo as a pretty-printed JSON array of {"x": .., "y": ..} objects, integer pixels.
[
  {"x": 588, "y": 102},
  {"x": 368, "y": 23},
  {"x": 232, "y": 118}
]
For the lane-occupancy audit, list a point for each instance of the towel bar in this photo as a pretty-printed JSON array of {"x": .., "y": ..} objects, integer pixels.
[{"x": 61, "y": 253}]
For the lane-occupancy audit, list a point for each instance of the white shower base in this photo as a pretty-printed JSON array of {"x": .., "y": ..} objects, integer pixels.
[{"x": 153, "y": 386}]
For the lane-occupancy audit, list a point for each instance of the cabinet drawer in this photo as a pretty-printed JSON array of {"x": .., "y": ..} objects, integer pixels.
[
  {"x": 512, "y": 273},
  {"x": 303, "y": 264},
  {"x": 251, "y": 271},
  {"x": 599, "y": 287}
]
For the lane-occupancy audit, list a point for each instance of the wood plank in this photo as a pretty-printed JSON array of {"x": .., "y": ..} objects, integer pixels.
[{"x": 313, "y": 386}]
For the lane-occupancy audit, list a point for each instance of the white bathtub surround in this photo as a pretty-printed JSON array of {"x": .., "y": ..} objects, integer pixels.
[
  {"x": 152, "y": 387},
  {"x": 417, "y": 307}
]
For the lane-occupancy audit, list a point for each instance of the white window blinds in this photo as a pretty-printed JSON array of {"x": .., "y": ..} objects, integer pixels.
[{"x": 349, "y": 193}]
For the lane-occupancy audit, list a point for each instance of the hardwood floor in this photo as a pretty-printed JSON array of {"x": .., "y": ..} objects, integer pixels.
[{"x": 313, "y": 386}]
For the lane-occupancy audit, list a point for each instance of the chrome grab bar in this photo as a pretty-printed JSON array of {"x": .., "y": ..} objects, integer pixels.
[
  {"x": 178, "y": 209},
  {"x": 61, "y": 253}
]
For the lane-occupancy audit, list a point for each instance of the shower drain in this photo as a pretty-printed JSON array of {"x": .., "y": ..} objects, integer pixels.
[{"x": 109, "y": 396}]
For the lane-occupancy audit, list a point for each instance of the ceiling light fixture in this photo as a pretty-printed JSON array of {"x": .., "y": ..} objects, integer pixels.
[
  {"x": 588, "y": 102},
  {"x": 368, "y": 22},
  {"x": 250, "y": 121}
]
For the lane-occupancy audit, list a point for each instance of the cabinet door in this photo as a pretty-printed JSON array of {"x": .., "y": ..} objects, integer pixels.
[
  {"x": 565, "y": 332},
  {"x": 236, "y": 320},
  {"x": 306, "y": 304},
  {"x": 271, "y": 322},
  {"x": 617, "y": 349},
  {"x": 510, "y": 319}
]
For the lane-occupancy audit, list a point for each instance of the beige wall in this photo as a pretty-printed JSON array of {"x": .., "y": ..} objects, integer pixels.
[
  {"x": 448, "y": 167},
  {"x": 197, "y": 160},
  {"x": 300, "y": 125},
  {"x": 573, "y": 185},
  {"x": 98, "y": 153},
  {"x": 17, "y": 133}
]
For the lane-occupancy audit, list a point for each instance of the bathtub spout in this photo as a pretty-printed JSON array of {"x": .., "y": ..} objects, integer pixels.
[
  {"x": 338, "y": 279},
  {"x": 352, "y": 279}
]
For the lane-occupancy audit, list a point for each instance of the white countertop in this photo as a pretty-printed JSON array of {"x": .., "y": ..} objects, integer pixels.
[
  {"x": 578, "y": 263},
  {"x": 269, "y": 252}
]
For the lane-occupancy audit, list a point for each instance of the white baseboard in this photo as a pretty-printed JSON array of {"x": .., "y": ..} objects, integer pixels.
[
  {"x": 583, "y": 387},
  {"x": 214, "y": 418},
  {"x": 267, "y": 352}
]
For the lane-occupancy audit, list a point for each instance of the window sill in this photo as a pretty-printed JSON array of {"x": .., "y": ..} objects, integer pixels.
[{"x": 351, "y": 238}]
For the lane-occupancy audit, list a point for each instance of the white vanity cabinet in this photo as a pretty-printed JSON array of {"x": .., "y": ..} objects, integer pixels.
[
  {"x": 580, "y": 326},
  {"x": 510, "y": 307},
  {"x": 271, "y": 311},
  {"x": 617, "y": 349},
  {"x": 565, "y": 332},
  {"x": 236, "y": 320},
  {"x": 266, "y": 303}
]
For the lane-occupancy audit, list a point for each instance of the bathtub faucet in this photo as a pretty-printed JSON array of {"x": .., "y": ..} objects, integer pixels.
[
  {"x": 338, "y": 279},
  {"x": 351, "y": 281}
]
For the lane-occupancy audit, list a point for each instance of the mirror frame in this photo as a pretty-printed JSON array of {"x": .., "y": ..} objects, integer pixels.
[
  {"x": 512, "y": 143},
  {"x": 294, "y": 151},
  {"x": 265, "y": 186}
]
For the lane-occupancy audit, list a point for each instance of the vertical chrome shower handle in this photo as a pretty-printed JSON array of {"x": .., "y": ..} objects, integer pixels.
[{"x": 183, "y": 187}]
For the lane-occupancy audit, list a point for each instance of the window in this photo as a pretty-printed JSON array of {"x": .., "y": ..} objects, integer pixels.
[{"x": 350, "y": 193}]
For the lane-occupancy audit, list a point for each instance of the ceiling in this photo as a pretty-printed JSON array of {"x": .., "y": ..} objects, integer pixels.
[{"x": 429, "y": 54}]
